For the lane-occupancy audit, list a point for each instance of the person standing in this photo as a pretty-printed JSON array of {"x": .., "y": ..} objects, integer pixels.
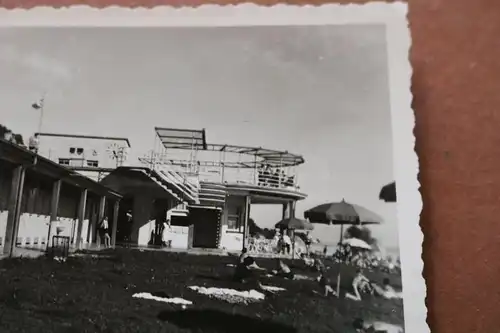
[
  {"x": 308, "y": 242},
  {"x": 103, "y": 233},
  {"x": 287, "y": 243},
  {"x": 34, "y": 143}
]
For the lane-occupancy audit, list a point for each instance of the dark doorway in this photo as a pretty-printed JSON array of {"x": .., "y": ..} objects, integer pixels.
[
  {"x": 124, "y": 223},
  {"x": 205, "y": 223}
]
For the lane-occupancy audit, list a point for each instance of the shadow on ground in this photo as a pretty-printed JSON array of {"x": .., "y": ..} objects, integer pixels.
[{"x": 218, "y": 321}]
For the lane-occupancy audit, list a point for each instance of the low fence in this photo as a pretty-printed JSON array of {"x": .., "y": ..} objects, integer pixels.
[{"x": 262, "y": 246}]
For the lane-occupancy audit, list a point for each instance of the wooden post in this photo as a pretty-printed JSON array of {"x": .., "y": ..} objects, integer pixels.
[
  {"x": 246, "y": 216},
  {"x": 81, "y": 217},
  {"x": 287, "y": 213},
  {"x": 100, "y": 215},
  {"x": 292, "y": 205},
  {"x": 54, "y": 207},
  {"x": 114, "y": 224},
  {"x": 14, "y": 207}
]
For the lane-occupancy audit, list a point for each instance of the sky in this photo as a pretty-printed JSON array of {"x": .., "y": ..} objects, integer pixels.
[{"x": 318, "y": 91}]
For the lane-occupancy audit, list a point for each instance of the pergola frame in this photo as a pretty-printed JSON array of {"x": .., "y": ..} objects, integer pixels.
[{"x": 188, "y": 139}]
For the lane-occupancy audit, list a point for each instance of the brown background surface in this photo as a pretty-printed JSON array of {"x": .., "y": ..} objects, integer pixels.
[{"x": 456, "y": 87}]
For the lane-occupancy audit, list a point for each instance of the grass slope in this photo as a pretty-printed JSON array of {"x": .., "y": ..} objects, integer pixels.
[{"x": 95, "y": 295}]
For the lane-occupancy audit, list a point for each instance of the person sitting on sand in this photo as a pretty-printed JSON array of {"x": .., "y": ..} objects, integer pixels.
[
  {"x": 386, "y": 290},
  {"x": 309, "y": 262},
  {"x": 375, "y": 327},
  {"x": 243, "y": 255},
  {"x": 318, "y": 265},
  {"x": 325, "y": 285},
  {"x": 283, "y": 270},
  {"x": 360, "y": 284},
  {"x": 245, "y": 273}
]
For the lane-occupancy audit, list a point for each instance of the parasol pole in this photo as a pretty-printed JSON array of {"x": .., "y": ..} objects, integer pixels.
[{"x": 341, "y": 263}]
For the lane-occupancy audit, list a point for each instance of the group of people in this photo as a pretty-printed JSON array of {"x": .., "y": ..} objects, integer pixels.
[
  {"x": 33, "y": 143},
  {"x": 364, "y": 259},
  {"x": 267, "y": 176},
  {"x": 283, "y": 243},
  {"x": 246, "y": 269},
  {"x": 247, "y": 272}
]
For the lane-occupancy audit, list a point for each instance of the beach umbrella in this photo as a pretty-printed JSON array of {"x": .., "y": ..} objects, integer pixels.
[
  {"x": 294, "y": 223},
  {"x": 388, "y": 193},
  {"x": 342, "y": 213},
  {"x": 357, "y": 243}
]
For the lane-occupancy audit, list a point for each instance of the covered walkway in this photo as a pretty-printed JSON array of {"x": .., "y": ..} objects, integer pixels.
[{"x": 39, "y": 199}]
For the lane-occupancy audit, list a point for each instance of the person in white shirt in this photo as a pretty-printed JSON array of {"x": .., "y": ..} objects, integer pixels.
[
  {"x": 360, "y": 284},
  {"x": 33, "y": 143},
  {"x": 287, "y": 242},
  {"x": 309, "y": 241},
  {"x": 166, "y": 236},
  {"x": 103, "y": 232},
  {"x": 283, "y": 270}
]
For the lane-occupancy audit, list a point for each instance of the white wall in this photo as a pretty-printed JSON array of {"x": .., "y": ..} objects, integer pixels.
[
  {"x": 33, "y": 226},
  {"x": 145, "y": 233},
  {"x": 94, "y": 149},
  {"x": 231, "y": 241},
  {"x": 178, "y": 235}
]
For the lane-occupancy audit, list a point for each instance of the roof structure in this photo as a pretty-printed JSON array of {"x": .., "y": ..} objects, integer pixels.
[
  {"x": 78, "y": 136},
  {"x": 172, "y": 138},
  {"x": 196, "y": 139},
  {"x": 21, "y": 156},
  {"x": 263, "y": 155}
]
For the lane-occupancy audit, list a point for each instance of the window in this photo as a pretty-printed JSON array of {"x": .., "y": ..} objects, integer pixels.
[
  {"x": 235, "y": 219},
  {"x": 233, "y": 222},
  {"x": 92, "y": 164},
  {"x": 64, "y": 161},
  {"x": 78, "y": 151}
]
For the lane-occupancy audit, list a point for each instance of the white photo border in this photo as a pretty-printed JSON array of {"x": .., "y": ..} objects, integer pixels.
[{"x": 393, "y": 15}]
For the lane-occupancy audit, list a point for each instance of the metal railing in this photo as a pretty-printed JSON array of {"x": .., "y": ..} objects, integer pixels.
[
  {"x": 186, "y": 183},
  {"x": 192, "y": 173}
]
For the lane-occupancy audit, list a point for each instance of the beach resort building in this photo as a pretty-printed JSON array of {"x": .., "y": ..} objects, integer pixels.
[{"x": 185, "y": 190}]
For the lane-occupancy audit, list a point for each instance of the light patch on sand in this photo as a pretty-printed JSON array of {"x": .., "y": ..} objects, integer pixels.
[
  {"x": 230, "y": 295},
  {"x": 175, "y": 300},
  {"x": 273, "y": 288},
  {"x": 231, "y": 265}
]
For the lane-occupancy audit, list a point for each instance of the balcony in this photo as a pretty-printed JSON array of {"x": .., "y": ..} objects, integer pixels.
[{"x": 214, "y": 172}]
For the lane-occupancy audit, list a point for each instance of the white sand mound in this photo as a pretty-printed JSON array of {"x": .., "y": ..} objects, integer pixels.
[
  {"x": 230, "y": 295},
  {"x": 273, "y": 288},
  {"x": 175, "y": 300},
  {"x": 231, "y": 265}
]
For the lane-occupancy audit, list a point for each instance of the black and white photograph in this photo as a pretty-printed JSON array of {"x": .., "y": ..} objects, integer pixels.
[{"x": 228, "y": 170}]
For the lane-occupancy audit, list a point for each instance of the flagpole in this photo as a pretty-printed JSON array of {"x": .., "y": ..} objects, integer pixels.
[{"x": 40, "y": 121}]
